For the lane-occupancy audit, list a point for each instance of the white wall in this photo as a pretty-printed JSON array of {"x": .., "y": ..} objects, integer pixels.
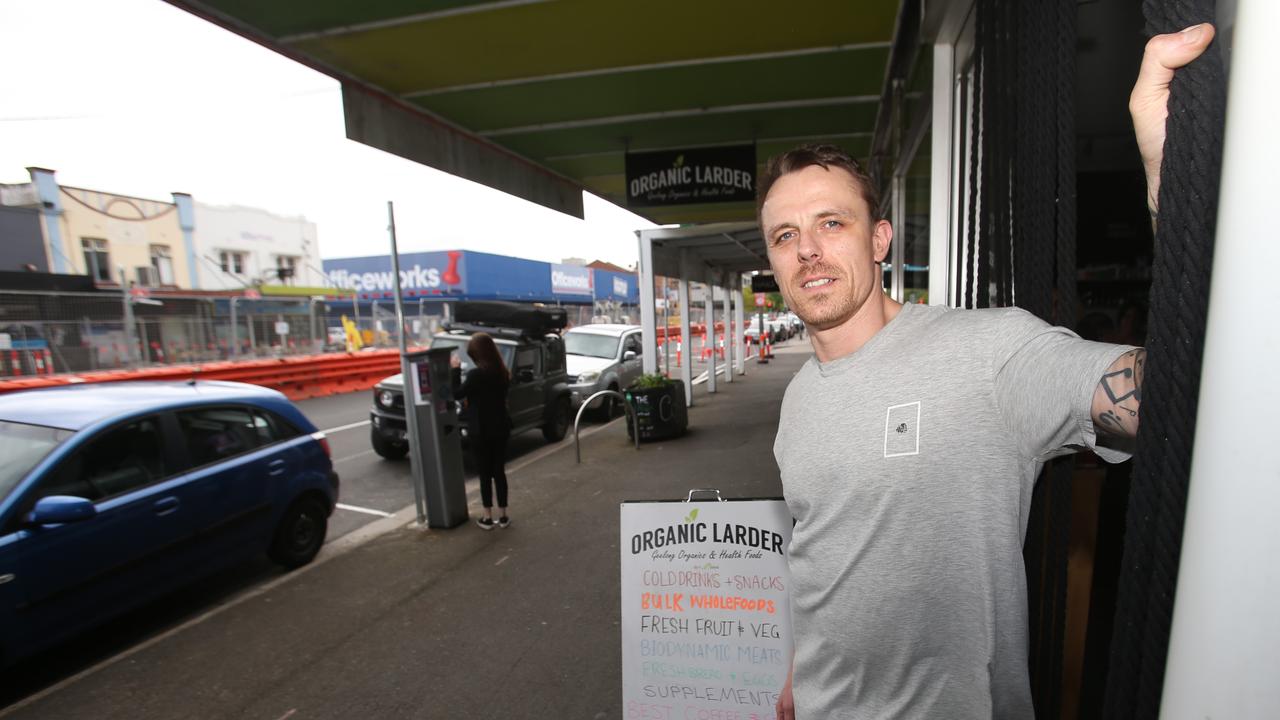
[{"x": 261, "y": 236}]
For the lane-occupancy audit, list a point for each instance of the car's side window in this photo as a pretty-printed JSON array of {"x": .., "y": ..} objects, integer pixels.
[
  {"x": 632, "y": 343},
  {"x": 529, "y": 358},
  {"x": 554, "y": 353},
  {"x": 215, "y": 434},
  {"x": 118, "y": 460},
  {"x": 272, "y": 427}
]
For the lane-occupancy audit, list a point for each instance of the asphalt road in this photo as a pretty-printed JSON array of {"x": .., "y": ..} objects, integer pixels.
[{"x": 372, "y": 488}]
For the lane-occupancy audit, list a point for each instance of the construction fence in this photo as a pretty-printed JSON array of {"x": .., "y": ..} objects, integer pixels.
[{"x": 47, "y": 333}]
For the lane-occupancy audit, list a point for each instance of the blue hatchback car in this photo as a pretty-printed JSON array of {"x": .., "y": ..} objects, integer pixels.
[{"x": 113, "y": 494}]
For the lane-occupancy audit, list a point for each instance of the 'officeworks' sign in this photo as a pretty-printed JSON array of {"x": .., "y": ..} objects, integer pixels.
[{"x": 571, "y": 280}]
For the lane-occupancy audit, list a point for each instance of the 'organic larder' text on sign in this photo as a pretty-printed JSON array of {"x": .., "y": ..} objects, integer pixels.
[{"x": 706, "y": 618}]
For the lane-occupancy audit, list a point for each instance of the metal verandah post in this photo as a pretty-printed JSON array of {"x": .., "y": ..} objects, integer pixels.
[
  {"x": 727, "y": 338},
  {"x": 648, "y": 316},
  {"x": 710, "y": 337}
]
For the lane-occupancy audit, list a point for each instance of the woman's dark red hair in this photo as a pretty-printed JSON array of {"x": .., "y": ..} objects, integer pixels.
[{"x": 484, "y": 352}]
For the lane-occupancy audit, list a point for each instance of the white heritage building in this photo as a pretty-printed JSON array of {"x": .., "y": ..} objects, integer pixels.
[{"x": 239, "y": 246}]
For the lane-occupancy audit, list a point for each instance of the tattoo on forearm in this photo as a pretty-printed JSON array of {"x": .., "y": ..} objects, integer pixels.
[
  {"x": 1110, "y": 419},
  {"x": 1119, "y": 386},
  {"x": 1119, "y": 396}
]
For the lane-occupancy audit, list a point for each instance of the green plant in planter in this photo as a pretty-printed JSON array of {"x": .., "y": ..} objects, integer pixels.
[
  {"x": 659, "y": 407},
  {"x": 650, "y": 380}
]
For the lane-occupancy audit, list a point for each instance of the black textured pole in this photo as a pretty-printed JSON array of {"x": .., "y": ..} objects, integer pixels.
[{"x": 1179, "y": 303}]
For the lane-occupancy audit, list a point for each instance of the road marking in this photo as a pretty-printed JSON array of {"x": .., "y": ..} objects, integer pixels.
[
  {"x": 357, "y": 456},
  {"x": 501, "y": 560},
  {"x": 352, "y": 426},
  {"x": 720, "y": 369},
  {"x": 288, "y": 715},
  {"x": 367, "y": 511}
]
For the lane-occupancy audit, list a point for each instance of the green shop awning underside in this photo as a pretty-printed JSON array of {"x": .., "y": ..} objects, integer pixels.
[{"x": 543, "y": 98}]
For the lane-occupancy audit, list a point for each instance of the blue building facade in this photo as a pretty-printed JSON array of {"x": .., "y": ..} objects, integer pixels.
[{"x": 466, "y": 275}]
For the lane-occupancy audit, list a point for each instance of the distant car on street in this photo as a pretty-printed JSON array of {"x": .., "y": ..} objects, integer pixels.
[
  {"x": 113, "y": 494},
  {"x": 602, "y": 357}
]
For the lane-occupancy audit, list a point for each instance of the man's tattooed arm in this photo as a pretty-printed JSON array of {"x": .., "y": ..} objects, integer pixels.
[{"x": 1118, "y": 397}]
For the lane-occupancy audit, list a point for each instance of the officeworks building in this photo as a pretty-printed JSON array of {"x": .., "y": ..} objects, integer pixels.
[{"x": 428, "y": 280}]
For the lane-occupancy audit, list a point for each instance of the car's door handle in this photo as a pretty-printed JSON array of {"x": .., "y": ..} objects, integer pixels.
[
  {"x": 275, "y": 468},
  {"x": 165, "y": 506}
]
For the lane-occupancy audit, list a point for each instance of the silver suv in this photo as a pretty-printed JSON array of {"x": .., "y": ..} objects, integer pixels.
[{"x": 602, "y": 357}]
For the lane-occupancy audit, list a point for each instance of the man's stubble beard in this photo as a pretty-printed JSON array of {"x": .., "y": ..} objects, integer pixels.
[{"x": 823, "y": 313}]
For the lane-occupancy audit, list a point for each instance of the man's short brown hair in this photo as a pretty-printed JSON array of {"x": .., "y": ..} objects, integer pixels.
[{"x": 824, "y": 156}]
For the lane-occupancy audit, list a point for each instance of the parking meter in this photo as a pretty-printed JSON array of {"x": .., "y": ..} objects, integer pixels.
[{"x": 436, "y": 452}]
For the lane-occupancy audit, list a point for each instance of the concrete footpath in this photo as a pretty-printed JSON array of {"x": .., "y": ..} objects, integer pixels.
[{"x": 461, "y": 623}]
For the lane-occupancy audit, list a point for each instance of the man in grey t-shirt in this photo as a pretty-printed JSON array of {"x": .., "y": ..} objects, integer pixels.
[{"x": 910, "y": 444}]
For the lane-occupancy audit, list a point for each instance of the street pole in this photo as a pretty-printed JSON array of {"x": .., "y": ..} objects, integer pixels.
[
  {"x": 235, "y": 331},
  {"x": 129, "y": 330},
  {"x": 311, "y": 323},
  {"x": 410, "y": 414}
]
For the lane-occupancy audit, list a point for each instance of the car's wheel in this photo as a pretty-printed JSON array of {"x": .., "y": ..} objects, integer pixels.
[
  {"x": 608, "y": 405},
  {"x": 558, "y": 425},
  {"x": 387, "y": 448},
  {"x": 300, "y": 533}
]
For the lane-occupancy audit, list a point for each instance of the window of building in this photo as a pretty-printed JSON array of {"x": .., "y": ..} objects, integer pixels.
[
  {"x": 286, "y": 268},
  {"x": 162, "y": 262},
  {"x": 231, "y": 262},
  {"x": 97, "y": 261}
]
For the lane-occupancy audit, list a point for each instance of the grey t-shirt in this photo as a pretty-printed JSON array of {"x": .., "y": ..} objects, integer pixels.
[{"x": 908, "y": 466}]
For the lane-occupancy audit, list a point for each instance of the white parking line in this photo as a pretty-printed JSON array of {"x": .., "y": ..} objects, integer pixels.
[
  {"x": 367, "y": 511},
  {"x": 357, "y": 456},
  {"x": 340, "y": 428}
]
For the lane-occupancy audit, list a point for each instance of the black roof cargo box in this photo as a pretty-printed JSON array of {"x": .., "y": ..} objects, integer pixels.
[{"x": 530, "y": 319}]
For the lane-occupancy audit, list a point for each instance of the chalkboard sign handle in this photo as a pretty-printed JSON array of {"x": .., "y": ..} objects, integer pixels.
[{"x": 704, "y": 490}]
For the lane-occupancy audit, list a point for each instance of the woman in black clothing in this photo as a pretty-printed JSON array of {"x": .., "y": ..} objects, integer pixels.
[{"x": 488, "y": 426}]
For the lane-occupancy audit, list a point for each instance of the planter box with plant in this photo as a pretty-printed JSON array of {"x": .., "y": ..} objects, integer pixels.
[{"x": 660, "y": 407}]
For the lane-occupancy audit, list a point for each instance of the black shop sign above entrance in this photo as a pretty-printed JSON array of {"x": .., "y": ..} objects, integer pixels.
[
  {"x": 691, "y": 176},
  {"x": 764, "y": 284}
]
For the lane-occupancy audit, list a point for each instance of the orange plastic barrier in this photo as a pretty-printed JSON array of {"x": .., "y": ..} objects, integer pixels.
[{"x": 298, "y": 378}]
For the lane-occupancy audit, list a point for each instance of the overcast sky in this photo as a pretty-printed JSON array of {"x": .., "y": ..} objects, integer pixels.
[{"x": 139, "y": 98}]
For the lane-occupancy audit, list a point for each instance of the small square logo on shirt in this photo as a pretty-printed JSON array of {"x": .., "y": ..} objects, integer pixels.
[{"x": 902, "y": 430}]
